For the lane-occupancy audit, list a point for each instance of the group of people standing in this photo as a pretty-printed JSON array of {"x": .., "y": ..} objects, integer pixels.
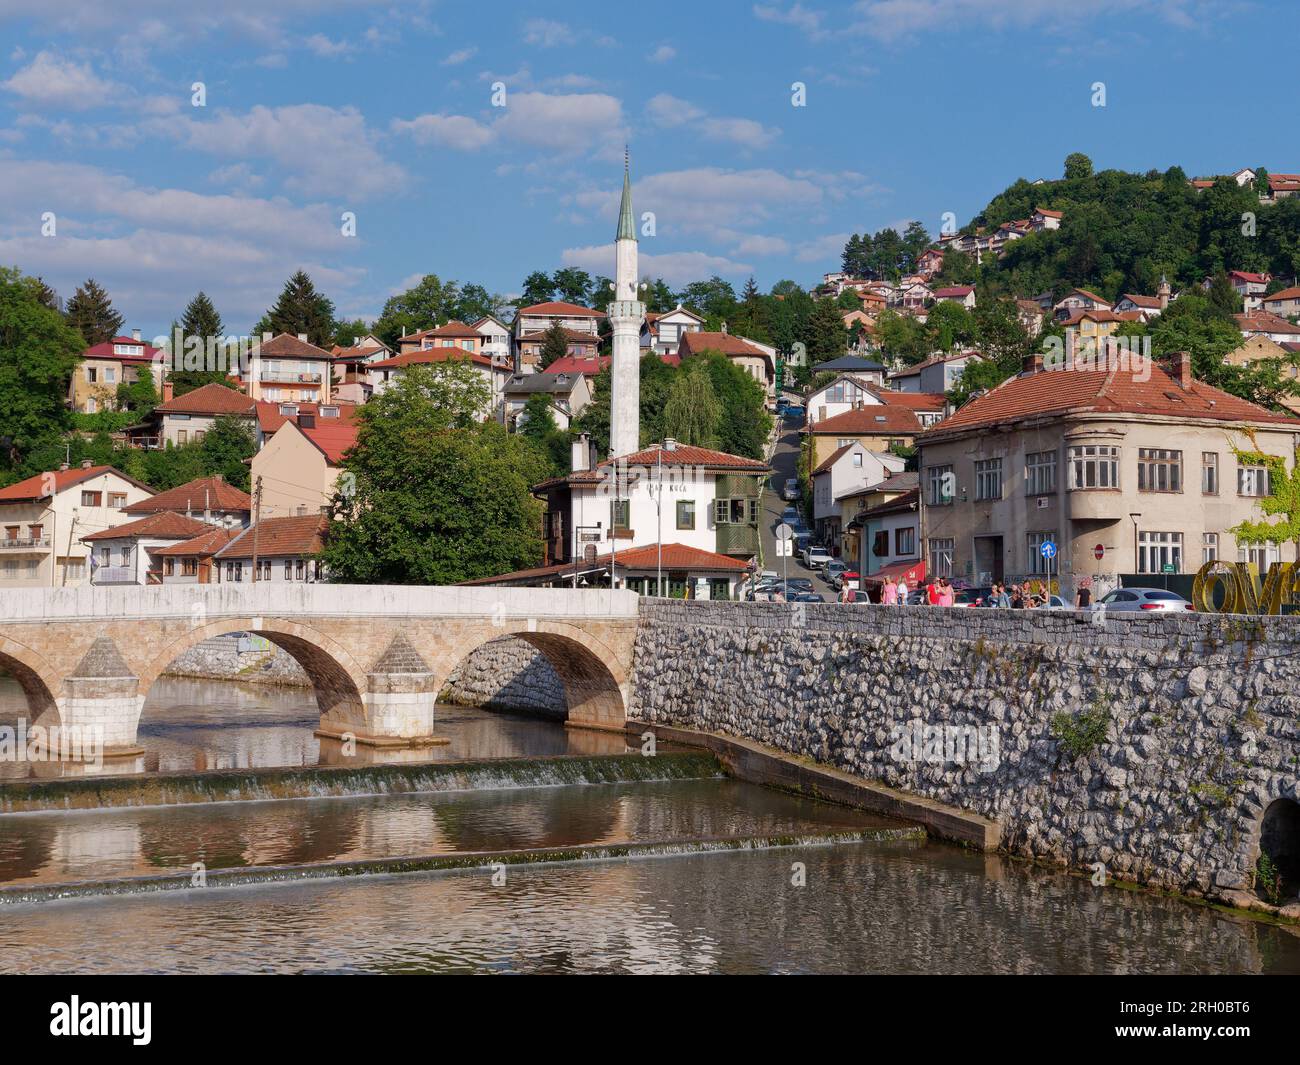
[{"x": 937, "y": 593}]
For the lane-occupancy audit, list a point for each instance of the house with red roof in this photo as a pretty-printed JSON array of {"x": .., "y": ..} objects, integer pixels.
[
  {"x": 105, "y": 367},
  {"x": 1076, "y": 300},
  {"x": 582, "y": 324},
  {"x": 934, "y": 376},
  {"x": 667, "y": 493},
  {"x": 1285, "y": 303},
  {"x": 212, "y": 500},
  {"x": 964, "y": 295},
  {"x": 495, "y": 372},
  {"x": 287, "y": 368},
  {"x": 878, "y": 427},
  {"x": 279, "y": 550},
  {"x": 299, "y": 466},
  {"x": 1262, "y": 324},
  {"x": 189, "y": 417},
  {"x": 43, "y": 520},
  {"x": 844, "y": 473},
  {"x": 757, "y": 360},
  {"x": 662, "y": 332},
  {"x": 1136, "y": 461},
  {"x": 127, "y": 554}
]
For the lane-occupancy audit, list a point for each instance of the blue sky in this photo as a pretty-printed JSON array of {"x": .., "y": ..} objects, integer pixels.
[{"x": 317, "y": 107}]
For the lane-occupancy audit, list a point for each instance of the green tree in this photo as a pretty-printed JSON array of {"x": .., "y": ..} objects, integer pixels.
[
  {"x": 826, "y": 338},
  {"x": 555, "y": 344},
  {"x": 949, "y": 324},
  {"x": 745, "y": 424},
  {"x": 200, "y": 320},
  {"x": 90, "y": 312},
  {"x": 39, "y": 351},
  {"x": 573, "y": 285},
  {"x": 226, "y": 449},
  {"x": 537, "y": 420},
  {"x": 693, "y": 413},
  {"x": 537, "y": 288},
  {"x": 300, "y": 309},
  {"x": 429, "y": 303},
  {"x": 1077, "y": 166}
]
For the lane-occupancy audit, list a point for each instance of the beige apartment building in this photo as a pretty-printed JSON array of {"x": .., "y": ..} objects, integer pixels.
[
  {"x": 1135, "y": 465},
  {"x": 43, "y": 520},
  {"x": 298, "y": 468},
  {"x": 106, "y": 367}
]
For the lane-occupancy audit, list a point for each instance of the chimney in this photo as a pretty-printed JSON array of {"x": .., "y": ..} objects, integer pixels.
[
  {"x": 168, "y": 390},
  {"x": 63, "y": 466},
  {"x": 580, "y": 456},
  {"x": 670, "y": 444},
  {"x": 724, "y": 328},
  {"x": 135, "y": 334},
  {"x": 86, "y": 464},
  {"x": 1033, "y": 363},
  {"x": 302, "y": 337},
  {"x": 1182, "y": 369}
]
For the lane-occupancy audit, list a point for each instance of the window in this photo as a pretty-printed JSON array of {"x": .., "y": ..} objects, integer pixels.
[
  {"x": 117, "y": 499},
  {"x": 939, "y": 484},
  {"x": 1210, "y": 473},
  {"x": 1159, "y": 470},
  {"x": 1035, "y": 562},
  {"x": 939, "y": 563},
  {"x": 733, "y": 511},
  {"x": 302, "y": 569},
  {"x": 620, "y": 514},
  {"x": 905, "y": 542},
  {"x": 288, "y": 570},
  {"x": 835, "y": 394},
  {"x": 1156, "y": 550},
  {"x": 264, "y": 569},
  {"x": 857, "y": 460},
  {"x": 686, "y": 514},
  {"x": 182, "y": 436},
  {"x": 234, "y": 571},
  {"x": 36, "y": 532},
  {"x": 74, "y": 569},
  {"x": 169, "y": 567},
  {"x": 91, "y": 375},
  {"x": 988, "y": 479},
  {"x": 91, "y": 499},
  {"x": 1209, "y": 547},
  {"x": 1094, "y": 466},
  {"x": 109, "y": 376},
  {"x": 92, "y": 405},
  {"x": 1259, "y": 555},
  {"x": 1252, "y": 481},
  {"x": 1040, "y": 473},
  {"x": 189, "y": 567}
]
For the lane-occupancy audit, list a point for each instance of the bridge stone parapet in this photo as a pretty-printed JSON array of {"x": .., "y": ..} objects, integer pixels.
[{"x": 377, "y": 656}]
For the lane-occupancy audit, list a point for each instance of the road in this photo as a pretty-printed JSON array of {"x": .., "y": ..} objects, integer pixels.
[{"x": 785, "y": 460}]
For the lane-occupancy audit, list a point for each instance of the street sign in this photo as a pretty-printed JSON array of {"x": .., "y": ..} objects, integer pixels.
[
  {"x": 784, "y": 532},
  {"x": 1168, "y": 567},
  {"x": 1099, "y": 552},
  {"x": 1047, "y": 549},
  {"x": 784, "y": 549}
]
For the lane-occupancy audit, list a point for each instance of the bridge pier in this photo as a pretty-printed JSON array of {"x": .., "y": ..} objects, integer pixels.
[
  {"x": 101, "y": 700},
  {"x": 401, "y": 691}
]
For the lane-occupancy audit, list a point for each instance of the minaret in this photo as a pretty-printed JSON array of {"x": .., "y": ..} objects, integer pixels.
[{"x": 626, "y": 313}]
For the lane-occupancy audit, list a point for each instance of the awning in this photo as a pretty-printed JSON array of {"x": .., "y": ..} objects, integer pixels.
[{"x": 912, "y": 571}]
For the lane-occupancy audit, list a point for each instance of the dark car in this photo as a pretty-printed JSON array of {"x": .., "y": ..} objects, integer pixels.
[
  {"x": 799, "y": 584},
  {"x": 806, "y": 597}
]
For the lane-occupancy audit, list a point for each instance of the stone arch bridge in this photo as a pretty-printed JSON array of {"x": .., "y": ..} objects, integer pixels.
[{"x": 377, "y": 655}]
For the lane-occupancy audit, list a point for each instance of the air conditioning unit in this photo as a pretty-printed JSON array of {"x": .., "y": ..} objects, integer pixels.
[{"x": 1044, "y": 502}]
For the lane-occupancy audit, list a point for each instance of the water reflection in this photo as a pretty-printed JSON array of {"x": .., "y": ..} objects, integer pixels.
[
  {"x": 96, "y": 844},
  {"x": 891, "y": 908},
  {"x": 195, "y": 725}
]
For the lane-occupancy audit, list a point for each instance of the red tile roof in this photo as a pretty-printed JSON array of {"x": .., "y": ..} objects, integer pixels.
[
  {"x": 560, "y": 309},
  {"x": 332, "y": 438},
  {"x": 279, "y": 536},
  {"x": 210, "y": 493},
  {"x": 1084, "y": 292},
  {"x": 288, "y": 345},
  {"x": 1151, "y": 303},
  {"x": 431, "y": 355},
  {"x": 727, "y": 343},
  {"x": 165, "y": 525},
  {"x": 927, "y": 401},
  {"x": 1264, "y": 322},
  {"x": 583, "y": 364},
  {"x": 1292, "y": 293},
  {"x": 1103, "y": 391},
  {"x": 883, "y": 420},
  {"x": 269, "y": 417},
  {"x": 38, "y": 486},
  {"x": 105, "y": 351},
  {"x": 1049, "y": 214},
  {"x": 689, "y": 455},
  {"x": 202, "y": 546},
  {"x": 1254, "y": 279},
  {"x": 954, "y": 291},
  {"x": 209, "y": 399}
]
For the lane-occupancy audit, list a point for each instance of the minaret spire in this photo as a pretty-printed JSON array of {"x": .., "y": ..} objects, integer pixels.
[{"x": 626, "y": 313}]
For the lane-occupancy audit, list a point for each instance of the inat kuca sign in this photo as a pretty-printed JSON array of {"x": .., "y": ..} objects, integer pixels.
[{"x": 1242, "y": 591}]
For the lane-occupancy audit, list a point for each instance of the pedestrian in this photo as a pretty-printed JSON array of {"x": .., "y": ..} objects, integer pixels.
[
  {"x": 901, "y": 596},
  {"x": 932, "y": 593},
  {"x": 889, "y": 592},
  {"x": 946, "y": 595},
  {"x": 1017, "y": 597},
  {"x": 999, "y": 596},
  {"x": 846, "y": 593},
  {"x": 1083, "y": 596}
]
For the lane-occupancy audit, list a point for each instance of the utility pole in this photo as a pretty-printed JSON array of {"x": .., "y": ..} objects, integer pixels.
[{"x": 257, "y": 521}]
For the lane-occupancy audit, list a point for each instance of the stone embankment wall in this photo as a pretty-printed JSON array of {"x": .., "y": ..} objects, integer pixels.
[
  {"x": 1152, "y": 744},
  {"x": 506, "y": 674}
]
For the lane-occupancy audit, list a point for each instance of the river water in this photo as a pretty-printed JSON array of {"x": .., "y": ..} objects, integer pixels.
[{"x": 886, "y": 905}]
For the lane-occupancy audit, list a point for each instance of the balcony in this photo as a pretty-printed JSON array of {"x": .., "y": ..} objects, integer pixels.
[
  {"x": 25, "y": 543},
  {"x": 274, "y": 378},
  {"x": 737, "y": 540},
  {"x": 114, "y": 575}
]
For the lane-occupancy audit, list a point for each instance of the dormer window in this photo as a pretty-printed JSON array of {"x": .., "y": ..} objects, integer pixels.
[
  {"x": 289, "y": 410},
  {"x": 128, "y": 349},
  {"x": 329, "y": 412}
]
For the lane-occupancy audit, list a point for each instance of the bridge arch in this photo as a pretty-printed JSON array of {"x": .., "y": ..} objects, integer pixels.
[
  {"x": 336, "y": 677},
  {"x": 594, "y": 678},
  {"x": 1279, "y": 842},
  {"x": 36, "y": 677}
]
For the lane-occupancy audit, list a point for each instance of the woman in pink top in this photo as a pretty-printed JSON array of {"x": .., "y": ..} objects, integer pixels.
[
  {"x": 945, "y": 592},
  {"x": 889, "y": 594}
]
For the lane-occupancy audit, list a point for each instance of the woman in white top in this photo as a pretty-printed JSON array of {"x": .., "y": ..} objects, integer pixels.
[{"x": 902, "y": 592}]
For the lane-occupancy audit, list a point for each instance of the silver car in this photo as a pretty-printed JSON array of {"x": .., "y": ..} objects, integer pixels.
[{"x": 1126, "y": 599}]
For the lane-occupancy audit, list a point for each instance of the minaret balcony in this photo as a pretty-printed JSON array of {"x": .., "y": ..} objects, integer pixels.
[{"x": 626, "y": 309}]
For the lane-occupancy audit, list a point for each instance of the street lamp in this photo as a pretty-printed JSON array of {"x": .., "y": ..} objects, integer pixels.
[{"x": 1135, "y": 538}]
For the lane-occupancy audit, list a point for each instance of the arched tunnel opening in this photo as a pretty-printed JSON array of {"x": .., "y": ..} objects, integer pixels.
[{"x": 1277, "y": 873}]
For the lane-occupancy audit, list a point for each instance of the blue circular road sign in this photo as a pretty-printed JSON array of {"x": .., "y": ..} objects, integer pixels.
[{"x": 1047, "y": 549}]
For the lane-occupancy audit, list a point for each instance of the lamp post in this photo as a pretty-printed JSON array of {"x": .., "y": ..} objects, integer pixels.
[{"x": 1135, "y": 517}]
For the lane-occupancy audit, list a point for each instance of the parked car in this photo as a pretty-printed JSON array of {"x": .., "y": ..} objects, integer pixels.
[
  {"x": 832, "y": 569},
  {"x": 971, "y": 597},
  {"x": 794, "y": 413},
  {"x": 1128, "y": 599},
  {"x": 842, "y": 577},
  {"x": 859, "y": 596},
  {"x": 800, "y": 584},
  {"x": 816, "y": 557},
  {"x": 806, "y": 597},
  {"x": 802, "y": 540},
  {"x": 790, "y": 516},
  {"x": 791, "y": 490}
]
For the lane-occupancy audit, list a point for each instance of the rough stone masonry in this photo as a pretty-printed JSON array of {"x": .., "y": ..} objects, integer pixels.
[{"x": 1152, "y": 744}]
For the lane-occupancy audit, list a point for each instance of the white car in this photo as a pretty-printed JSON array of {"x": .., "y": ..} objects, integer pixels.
[
  {"x": 816, "y": 557},
  {"x": 1122, "y": 600}
]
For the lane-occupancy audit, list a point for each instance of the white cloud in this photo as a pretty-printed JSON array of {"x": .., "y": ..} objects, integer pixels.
[
  {"x": 547, "y": 33},
  {"x": 322, "y": 151},
  {"x": 828, "y": 247},
  {"x": 559, "y": 123},
  {"x": 671, "y": 112},
  {"x": 676, "y": 267},
  {"x": 155, "y": 247},
  {"x": 663, "y": 54},
  {"x": 50, "y": 81},
  {"x": 757, "y": 244},
  {"x": 460, "y": 56},
  {"x": 802, "y": 18},
  {"x": 447, "y": 131},
  {"x": 322, "y": 46}
]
